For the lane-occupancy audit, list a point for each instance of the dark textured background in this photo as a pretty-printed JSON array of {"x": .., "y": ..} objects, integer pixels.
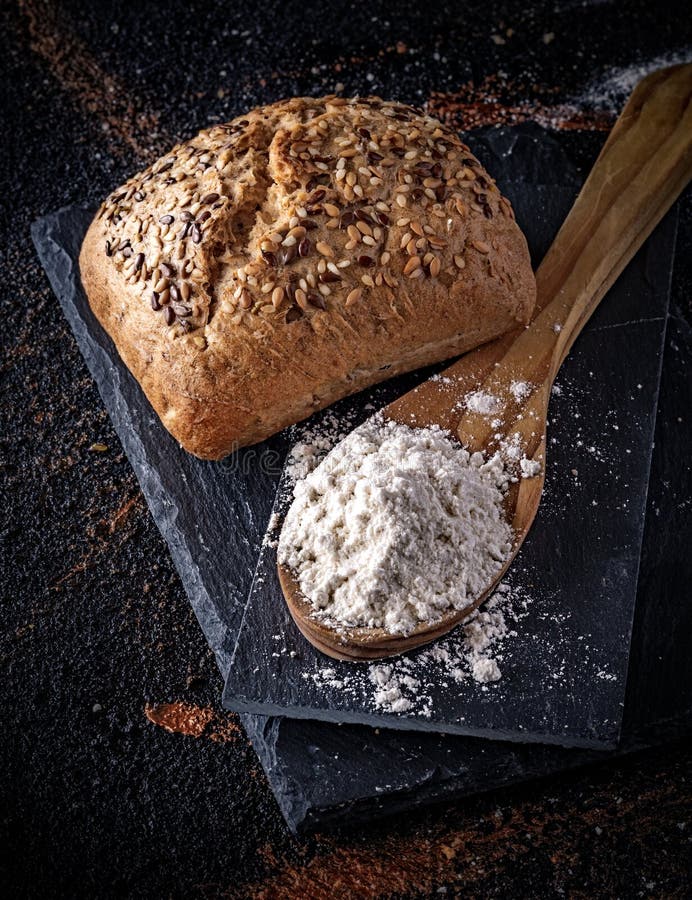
[{"x": 97, "y": 799}]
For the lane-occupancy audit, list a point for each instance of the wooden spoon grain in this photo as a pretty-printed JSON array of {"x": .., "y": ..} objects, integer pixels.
[{"x": 643, "y": 167}]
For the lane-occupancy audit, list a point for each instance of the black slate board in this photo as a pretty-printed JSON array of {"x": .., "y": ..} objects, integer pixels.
[
  {"x": 430, "y": 766},
  {"x": 323, "y": 774},
  {"x": 564, "y": 673}
]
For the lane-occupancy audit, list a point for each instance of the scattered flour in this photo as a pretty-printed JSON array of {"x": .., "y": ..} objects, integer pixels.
[
  {"x": 520, "y": 390},
  {"x": 611, "y": 90},
  {"x": 529, "y": 467},
  {"x": 485, "y": 670},
  {"x": 471, "y": 655},
  {"x": 482, "y": 402},
  {"x": 397, "y": 526}
]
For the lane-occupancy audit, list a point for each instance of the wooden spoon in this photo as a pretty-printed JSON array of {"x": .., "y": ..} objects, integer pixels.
[{"x": 645, "y": 164}]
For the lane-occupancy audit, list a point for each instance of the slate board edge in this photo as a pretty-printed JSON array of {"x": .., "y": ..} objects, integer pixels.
[
  {"x": 407, "y": 724},
  {"x": 302, "y": 818},
  {"x": 151, "y": 487},
  {"x": 673, "y": 213}
]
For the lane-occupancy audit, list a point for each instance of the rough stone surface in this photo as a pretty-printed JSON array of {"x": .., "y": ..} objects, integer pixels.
[{"x": 98, "y": 799}]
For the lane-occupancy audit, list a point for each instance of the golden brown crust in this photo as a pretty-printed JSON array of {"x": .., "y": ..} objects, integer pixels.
[{"x": 300, "y": 253}]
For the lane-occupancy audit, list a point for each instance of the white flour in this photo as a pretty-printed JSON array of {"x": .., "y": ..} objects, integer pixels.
[
  {"x": 482, "y": 402},
  {"x": 472, "y": 655},
  {"x": 520, "y": 390},
  {"x": 396, "y": 527},
  {"x": 314, "y": 444},
  {"x": 611, "y": 89}
]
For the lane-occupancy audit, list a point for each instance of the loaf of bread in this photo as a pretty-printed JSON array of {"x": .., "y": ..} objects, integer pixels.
[{"x": 302, "y": 252}]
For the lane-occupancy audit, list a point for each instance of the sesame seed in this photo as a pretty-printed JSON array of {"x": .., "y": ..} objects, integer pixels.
[
  {"x": 354, "y": 296},
  {"x": 324, "y": 249},
  {"x": 412, "y": 265}
]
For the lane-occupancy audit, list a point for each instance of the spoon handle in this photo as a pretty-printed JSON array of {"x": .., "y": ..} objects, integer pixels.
[{"x": 643, "y": 167}]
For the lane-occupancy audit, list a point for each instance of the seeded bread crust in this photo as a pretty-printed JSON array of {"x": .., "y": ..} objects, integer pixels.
[{"x": 300, "y": 253}]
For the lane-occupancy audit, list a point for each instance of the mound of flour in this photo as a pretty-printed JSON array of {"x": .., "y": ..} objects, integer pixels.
[{"x": 396, "y": 527}]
